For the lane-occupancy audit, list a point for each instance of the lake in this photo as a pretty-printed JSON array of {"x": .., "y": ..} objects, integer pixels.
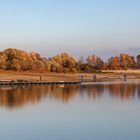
[{"x": 90, "y": 111}]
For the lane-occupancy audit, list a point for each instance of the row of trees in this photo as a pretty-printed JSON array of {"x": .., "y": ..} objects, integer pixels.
[{"x": 18, "y": 60}]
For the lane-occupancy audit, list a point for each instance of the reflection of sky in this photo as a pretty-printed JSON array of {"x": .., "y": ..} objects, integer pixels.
[
  {"x": 80, "y": 27},
  {"x": 80, "y": 119}
]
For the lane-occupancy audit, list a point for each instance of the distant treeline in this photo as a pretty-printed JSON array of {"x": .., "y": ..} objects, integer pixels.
[{"x": 18, "y": 60}]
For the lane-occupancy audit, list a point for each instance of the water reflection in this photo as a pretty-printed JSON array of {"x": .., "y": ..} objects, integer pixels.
[{"x": 15, "y": 97}]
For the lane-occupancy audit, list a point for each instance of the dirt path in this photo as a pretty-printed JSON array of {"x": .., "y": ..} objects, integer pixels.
[{"x": 63, "y": 77}]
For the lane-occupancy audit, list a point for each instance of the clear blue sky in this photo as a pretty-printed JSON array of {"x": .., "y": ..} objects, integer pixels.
[{"x": 80, "y": 27}]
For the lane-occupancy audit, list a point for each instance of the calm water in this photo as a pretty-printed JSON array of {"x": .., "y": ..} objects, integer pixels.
[{"x": 101, "y": 111}]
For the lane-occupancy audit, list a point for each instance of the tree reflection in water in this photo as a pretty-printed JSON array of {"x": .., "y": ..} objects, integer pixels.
[{"x": 15, "y": 97}]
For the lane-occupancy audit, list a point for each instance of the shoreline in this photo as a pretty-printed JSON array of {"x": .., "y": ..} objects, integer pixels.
[{"x": 69, "y": 77}]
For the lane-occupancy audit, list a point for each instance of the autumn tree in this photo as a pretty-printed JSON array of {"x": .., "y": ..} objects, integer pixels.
[
  {"x": 99, "y": 65},
  {"x": 94, "y": 63},
  {"x": 63, "y": 63},
  {"x": 114, "y": 63},
  {"x": 127, "y": 61},
  {"x": 12, "y": 61},
  {"x": 138, "y": 61}
]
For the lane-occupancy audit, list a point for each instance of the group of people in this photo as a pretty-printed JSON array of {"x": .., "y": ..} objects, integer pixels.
[{"x": 95, "y": 77}]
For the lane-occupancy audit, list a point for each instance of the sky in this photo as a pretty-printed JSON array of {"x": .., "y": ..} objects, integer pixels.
[{"x": 79, "y": 27}]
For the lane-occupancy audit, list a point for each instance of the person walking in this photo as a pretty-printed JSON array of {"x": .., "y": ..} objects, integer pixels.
[{"x": 94, "y": 78}]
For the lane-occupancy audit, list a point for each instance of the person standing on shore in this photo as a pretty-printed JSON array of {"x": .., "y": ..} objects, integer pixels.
[
  {"x": 94, "y": 78},
  {"x": 125, "y": 77}
]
